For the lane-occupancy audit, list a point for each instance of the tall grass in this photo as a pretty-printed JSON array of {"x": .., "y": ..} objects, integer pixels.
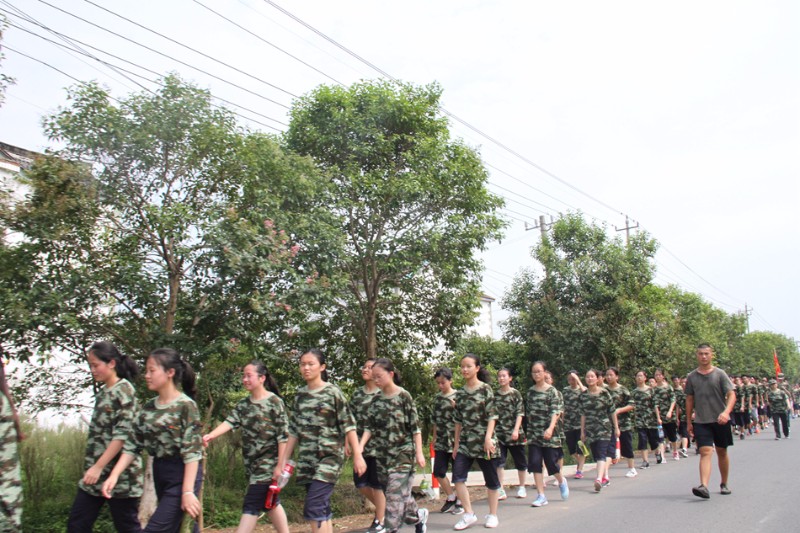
[{"x": 52, "y": 463}]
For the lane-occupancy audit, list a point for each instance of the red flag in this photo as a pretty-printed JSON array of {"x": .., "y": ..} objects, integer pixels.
[{"x": 775, "y": 360}]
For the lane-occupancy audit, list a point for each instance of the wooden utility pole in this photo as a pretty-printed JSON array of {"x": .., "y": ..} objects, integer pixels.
[
  {"x": 747, "y": 313},
  {"x": 541, "y": 225},
  {"x": 627, "y": 229}
]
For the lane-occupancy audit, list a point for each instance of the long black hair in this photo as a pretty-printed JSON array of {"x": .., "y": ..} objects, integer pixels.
[
  {"x": 388, "y": 366},
  {"x": 317, "y": 353},
  {"x": 269, "y": 382},
  {"x": 125, "y": 366},
  {"x": 168, "y": 358}
]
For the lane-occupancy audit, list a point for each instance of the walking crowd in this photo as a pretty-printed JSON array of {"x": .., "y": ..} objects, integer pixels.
[{"x": 379, "y": 428}]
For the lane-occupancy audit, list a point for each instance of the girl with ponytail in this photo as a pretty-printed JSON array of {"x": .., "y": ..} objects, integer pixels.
[
  {"x": 262, "y": 419},
  {"x": 114, "y": 410},
  {"x": 168, "y": 427}
]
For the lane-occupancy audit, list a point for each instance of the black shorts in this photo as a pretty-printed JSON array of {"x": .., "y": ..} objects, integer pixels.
[
  {"x": 648, "y": 436},
  {"x": 682, "y": 431},
  {"x": 255, "y": 498},
  {"x": 461, "y": 467},
  {"x": 317, "y": 506},
  {"x": 719, "y": 435},
  {"x": 517, "y": 452},
  {"x": 599, "y": 450},
  {"x": 573, "y": 436},
  {"x": 441, "y": 461},
  {"x": 626, "y": 444},
  {"x": 370, "y": 477},
  {"x": 670, "y": 431}
]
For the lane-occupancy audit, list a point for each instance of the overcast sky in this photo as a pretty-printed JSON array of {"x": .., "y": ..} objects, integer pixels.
[{"x": 685, "y": 116}]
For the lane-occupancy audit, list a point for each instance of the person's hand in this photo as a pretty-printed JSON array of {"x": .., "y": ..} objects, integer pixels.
[
  {"x": 515, "y": 435},
  {"x": 108, "y": 486},
  {"x": 548, "y": 434},
  {"x": 347, "y": 451},
  {"x": 690, "y": 428},
  {"x": 359, "y": 466},
  {"x": 723, "y": 418},
  {"x": 92, "y": 475},
  {"x": 488, "y": 446},
  {"x": 190, "y": 504},
  {"x": 206, "y": 439},
  {"x": 421, "y": 459}
]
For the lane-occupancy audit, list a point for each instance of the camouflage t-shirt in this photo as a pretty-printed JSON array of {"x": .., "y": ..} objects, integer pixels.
[
  {"x": 777, "y": 401},
  {"x": 509, "y": 405},
  {"x": 171, "y": 430},
  {"x": 359, "y": 406},
  {"x": 10, "y": 480},
  {"x": 443, "y": 417},
  {"x": 622, "y": 398},
  {"x": 114, "y": 411},
  {"x": 263, "y": 424},
  {"x": 572, "y": 416},
  {"x": 392, "y": 424},
  {"x": 680, "y": 402},
  {"x": 644, "y": 408},
  {"x": 597, "y": 408},
  {"x": 741, "y": 398},
  {"x": 752, "y": 395},
  {"x": 319, "y": 421},
  {"x": 540, "y": 406},
  {"x": 763, "y": 390},
  {"x": 474, "y": 409},
  {"x": 664, "y": 399}
]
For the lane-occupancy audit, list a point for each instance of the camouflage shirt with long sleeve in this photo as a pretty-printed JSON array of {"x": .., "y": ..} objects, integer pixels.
[
  {"x": 319, "y": 421},
  {"x": 171, "y": 430},
  {"x": 115, "y": 409},
  {"x": 264, "y": 425}
]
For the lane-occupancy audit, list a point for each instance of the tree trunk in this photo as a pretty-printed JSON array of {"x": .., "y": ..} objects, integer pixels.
[{"x": 148, "y": 502}]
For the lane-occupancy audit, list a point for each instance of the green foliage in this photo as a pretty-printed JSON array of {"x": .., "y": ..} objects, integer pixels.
[
  {"x": 596, "y": 306},
  {"x": 413, "y": 208},
  {"x": 752, "y": 354}
]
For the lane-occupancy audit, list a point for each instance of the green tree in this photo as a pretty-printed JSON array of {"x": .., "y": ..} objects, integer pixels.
[
  {"x": 162, "y": 223},
  {"x": 752, "y": 354},
  {"x": 413, "y": 208}
]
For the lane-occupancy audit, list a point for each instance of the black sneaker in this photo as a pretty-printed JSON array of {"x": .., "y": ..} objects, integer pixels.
[
  {"x": 420, "y": 526},
  {"x": 644, "y": 465},
  {"x": 723, "y": 489},
  {"x": 701, "y": 491},
  {"x": 659, "y": 458},
  {"x": 458, "y": 509},
  {"x": 448, "y": 506},
  {"x": 376, "y": 527}
]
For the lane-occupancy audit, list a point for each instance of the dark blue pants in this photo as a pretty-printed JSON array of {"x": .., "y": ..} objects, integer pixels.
[
  {"x": 168, "y": 480},
  {"x": 86, "y": 508}
]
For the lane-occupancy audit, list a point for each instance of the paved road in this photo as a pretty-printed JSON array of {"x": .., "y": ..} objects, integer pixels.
[{"x": 763, "y": 480}]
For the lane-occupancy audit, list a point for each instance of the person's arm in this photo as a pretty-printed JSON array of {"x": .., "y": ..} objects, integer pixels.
[
  {"x": 92, "y": 474},
  {"x": 124, "y": 462},
  {"x": 725, "y": 416},
  {"x": 433, "y": 436},
  {"x": 456, "y": 439},
  {"x": 517, "y": 425},
  {"x": 420, "y": 450},
  {"x": 359, "y": 466},
  {"x": 284, "y": 454},
  {"x": 615, "y": 421},
  {"x": 489, "y": 446},
  {"x": 583, "y": 428},
  {"x": 364, "y": 439},
  {"x": 189, "y": 501},
  {"x": 689, "y": 409},
  {"x": 221, "y": 429}
]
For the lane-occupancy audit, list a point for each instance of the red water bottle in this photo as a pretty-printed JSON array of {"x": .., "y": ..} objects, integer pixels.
[{"x": 277, "y": 484}]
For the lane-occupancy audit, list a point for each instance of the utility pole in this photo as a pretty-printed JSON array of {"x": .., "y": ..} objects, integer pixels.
[
  {"x": 627, "y": 229},
  {"x": 747, "y": 313},
  {"x": 541, "y": 225}
]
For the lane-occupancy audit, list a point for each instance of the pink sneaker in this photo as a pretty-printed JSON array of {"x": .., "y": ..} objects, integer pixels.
[{"x": 578, "y": 475}]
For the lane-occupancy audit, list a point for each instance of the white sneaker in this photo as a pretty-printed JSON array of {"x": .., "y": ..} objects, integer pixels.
[
  {"x": 501, "y": 494},
  {"x": 632, "y": 473},
  {"x": 491, "y": 521},
  {"x": 522, "y": 492},
  {"x": 466, "y": 520}
]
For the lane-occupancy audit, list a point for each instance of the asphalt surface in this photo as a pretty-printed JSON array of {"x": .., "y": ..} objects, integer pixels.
[{"x": 762, "y": 480}]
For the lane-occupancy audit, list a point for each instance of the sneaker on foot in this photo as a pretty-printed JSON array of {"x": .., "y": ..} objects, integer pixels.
[
  {"x": 598, "y": 485},
  {"x": 644, "y": 465},
  {"x": 458, "y": 509},
  {"x": 376, "y": 527},
  {"x": 683, "y": 453},
  {"x": 632, "y": 473},
  {"x": 578, "y": 475},
  {"x": 564, "y": 488},
  {"x": 491, "y": 521},
  {"x": 675, "y": 457},
  {"x": 606, "y": 482},
  {"x": 448, "y": 506},
  {"x": 555, "y": 483},
  {"x": 659, "y": 458},
  {"x": 777, "y": 438},
  {"x": 723, "y": 489},
  {"x": 522, "y": 492},
  {"x": 540, "y": 501},
  {"x": 467, "y": 520},
  {"x": 422, "y": 515},
  {"x": 701, "y": 491},
  {"x": 741, "y": 435},
  {"x": 501, "y": 494}
]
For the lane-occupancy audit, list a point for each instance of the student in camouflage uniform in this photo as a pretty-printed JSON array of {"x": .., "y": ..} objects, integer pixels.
[
  {"x": 623, "y": 401},
  {"x": 392, "y": 436},
  {"x": 779, "y": 405},
  {"x": 571, "y": 420},
  {"x": 598, "y": 424},
  {"x": 548, "y": 378},
  {"x": 680, "y": 410},
  {"x": 319, "y": 424},
  {"x": 443, "y": 427},
  {"x": 763, "y": 390},
  {"x": 510, "y": 435},
  {"x": 368, "y": 484},
  {"x": 475, "y": 418},
  {"x": 262, "y": 420},
  {"x": 645, "y": 417},
  {"x": 665, "y": 401},
  {"x": 10, "y": 479},
  {"x": 752, "y": 393},
  {"x": 114, "y": 410},
  {"x": 740, "y": 413},
  {"x": 168, "y": 428},
  {"x": 543, "y": 408}
]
